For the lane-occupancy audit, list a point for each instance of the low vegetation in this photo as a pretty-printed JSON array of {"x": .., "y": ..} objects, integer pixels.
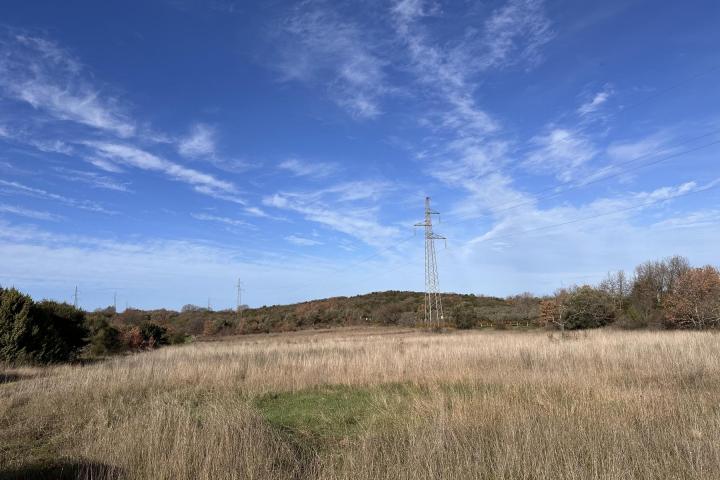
[
  {"x": 375, "y": 403},
  {"x": 666, "y": 294}
]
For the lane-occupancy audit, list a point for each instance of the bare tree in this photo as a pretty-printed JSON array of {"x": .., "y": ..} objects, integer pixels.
[
  {"x": 695, "y": 299},
  {"x": 552, "y": 310},
  {"x": 617, "y": 287},
  {"x": 655, "y": 279},
  {"x": 525, "y": 306}
]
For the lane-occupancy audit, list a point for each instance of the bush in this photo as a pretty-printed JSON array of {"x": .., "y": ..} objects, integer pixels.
[
  {"x": 66, "y": 334},
  {"x": 104, "y": 338},
  {"x": 45, "y": 332},
  {"x": 154, "y": 335},
  {"x": 587, "y": 307},
  {"x": 105, "y": 341},
  {"x": 463, "y": 316},
  {"x": 178, "y": 338}
]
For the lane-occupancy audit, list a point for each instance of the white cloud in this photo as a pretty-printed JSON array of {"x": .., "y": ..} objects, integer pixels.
[
  {"x": 698, "y": 219},
  {"x": 357, "y": 222},
  {"x": 19, "y": 188},
  {"x": 318, "y": 45},
  {"x": 215, "y": 218},
  {"x": 128, "y": 155},
  {"x": 514, "y": 34},
  {"x": 257, "y": 212},
  {"x": 302, "y": 168},
  {"x": 91, "y": 178},
  {"x": 595, "y": 102},
  {"x": 630, "y": 150},
  {"x": 436, "y": 67},
  {"x": 599, "y": 215},
  {"x": 560, "y": 152},
  {"x": 28, "y": 213},
  {"x": 302, "y": 241},
  {"x": 41, "y": 74},
  {"x": 106, "y": 165},
  {"x": 200, "y": 142}
]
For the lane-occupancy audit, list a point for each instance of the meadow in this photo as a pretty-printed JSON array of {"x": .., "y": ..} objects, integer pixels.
[{"x": 374, "y": 403}]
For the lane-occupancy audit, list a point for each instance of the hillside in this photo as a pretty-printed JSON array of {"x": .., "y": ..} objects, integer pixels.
[{"x": 377, "y": 308}]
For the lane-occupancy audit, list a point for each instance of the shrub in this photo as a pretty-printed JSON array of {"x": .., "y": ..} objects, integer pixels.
[
  {"x": 104, "y": 338},
  {"x": 44, "y": 332},
  {"x": 154, "y": 335},
  {"x": 66, "y": 332},
  {"x": 587, "y": 307},
  {"x": 105, "y": 341},
  {"x": 177, "y": 338},
  {"x": 16, "y": 326},
  {"x": 132, "y": 338},
  {"x": 463, "y": 316}
]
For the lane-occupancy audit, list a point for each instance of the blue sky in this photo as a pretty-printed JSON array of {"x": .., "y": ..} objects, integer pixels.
[{"x": 162, "y": 149}]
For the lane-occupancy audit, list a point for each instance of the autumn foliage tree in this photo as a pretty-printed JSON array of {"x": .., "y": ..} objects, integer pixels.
[{"x": 694, "y": 301}]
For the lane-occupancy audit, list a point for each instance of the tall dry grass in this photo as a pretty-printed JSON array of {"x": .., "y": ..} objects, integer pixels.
[{"x": 508, "y": 405}]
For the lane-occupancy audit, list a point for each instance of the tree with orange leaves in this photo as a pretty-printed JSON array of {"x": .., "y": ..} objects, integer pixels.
[{"x": 694, "y": 301}]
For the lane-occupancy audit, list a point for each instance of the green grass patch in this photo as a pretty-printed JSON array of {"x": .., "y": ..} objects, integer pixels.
[{"x": 328, "y": 414}]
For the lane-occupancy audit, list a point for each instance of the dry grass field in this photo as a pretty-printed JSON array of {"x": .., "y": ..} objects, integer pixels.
[{"x": 376, "y": 403}]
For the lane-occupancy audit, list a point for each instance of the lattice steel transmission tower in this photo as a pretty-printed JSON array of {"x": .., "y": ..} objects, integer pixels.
[{"x": 433, "y": 302}]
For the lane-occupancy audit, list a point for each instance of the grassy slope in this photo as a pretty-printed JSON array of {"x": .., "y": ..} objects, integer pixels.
[{"x": 356, "y": 404}]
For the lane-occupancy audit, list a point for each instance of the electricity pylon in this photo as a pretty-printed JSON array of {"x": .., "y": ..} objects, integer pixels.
[
  {"x": 239, "y": 301},
  {"x": 433, "y": 302}
]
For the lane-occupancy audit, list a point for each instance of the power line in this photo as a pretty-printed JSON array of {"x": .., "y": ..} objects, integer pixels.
[
  {"x": 555, "y": 193},
  {"x": 712, "y": 186},
  {"x": 602, "y": 178},
  {"x": 643, "y": 100}
]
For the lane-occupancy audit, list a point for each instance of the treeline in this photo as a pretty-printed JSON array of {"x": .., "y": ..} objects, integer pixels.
[
  {"x": 668, "y": 293},
  {"x": 51, "y": 332},
  {"x": 378, "y": 308},
  {"x": 659, "y": 294}
]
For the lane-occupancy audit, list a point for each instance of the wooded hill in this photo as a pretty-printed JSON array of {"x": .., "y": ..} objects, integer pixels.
[{"x": 377, "y": 308}]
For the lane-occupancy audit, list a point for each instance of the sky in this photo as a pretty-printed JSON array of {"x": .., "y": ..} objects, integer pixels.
[{"x": 157, "y": 151}]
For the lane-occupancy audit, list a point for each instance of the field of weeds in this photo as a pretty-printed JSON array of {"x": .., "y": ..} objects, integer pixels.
[{"x": 375, "y": 403}]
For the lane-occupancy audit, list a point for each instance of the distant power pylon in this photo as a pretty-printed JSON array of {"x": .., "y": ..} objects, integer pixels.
[
  {"x": 75, "y": 297},
  {"x": 433, "y": 302},
  {"x": 239, "y": 301}
]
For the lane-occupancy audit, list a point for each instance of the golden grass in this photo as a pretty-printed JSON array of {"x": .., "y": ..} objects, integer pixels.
[{"x": 507, "y": 405}]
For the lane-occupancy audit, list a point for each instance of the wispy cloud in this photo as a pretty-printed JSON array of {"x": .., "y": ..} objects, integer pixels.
[
  {"x": 302, "y": 241},
  {"x": 320, "y": 46},
  {"x": 302, "y": 168},
  {"x": 594, "y": 103},
  {"x": 628, "y": 150},
  {"x": 200, "y": 142},
  {"x": 219, "y": 219},
  {"x": 135, "y": 157},
  {"x": 19, "y": 188},
  {"x": 92, "y": 179},
  {"x": 39, "y": 73},
  {"x": 598, "y": 215},
  {"x": 106, "y": 165},
  {"x": 698, "y": 219},
  {"x": 357, "y": 222},
  {"x": 560, "y": 152},
  {"x": 515, "y": 33},
  {"x": 28, "y": 213}
]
